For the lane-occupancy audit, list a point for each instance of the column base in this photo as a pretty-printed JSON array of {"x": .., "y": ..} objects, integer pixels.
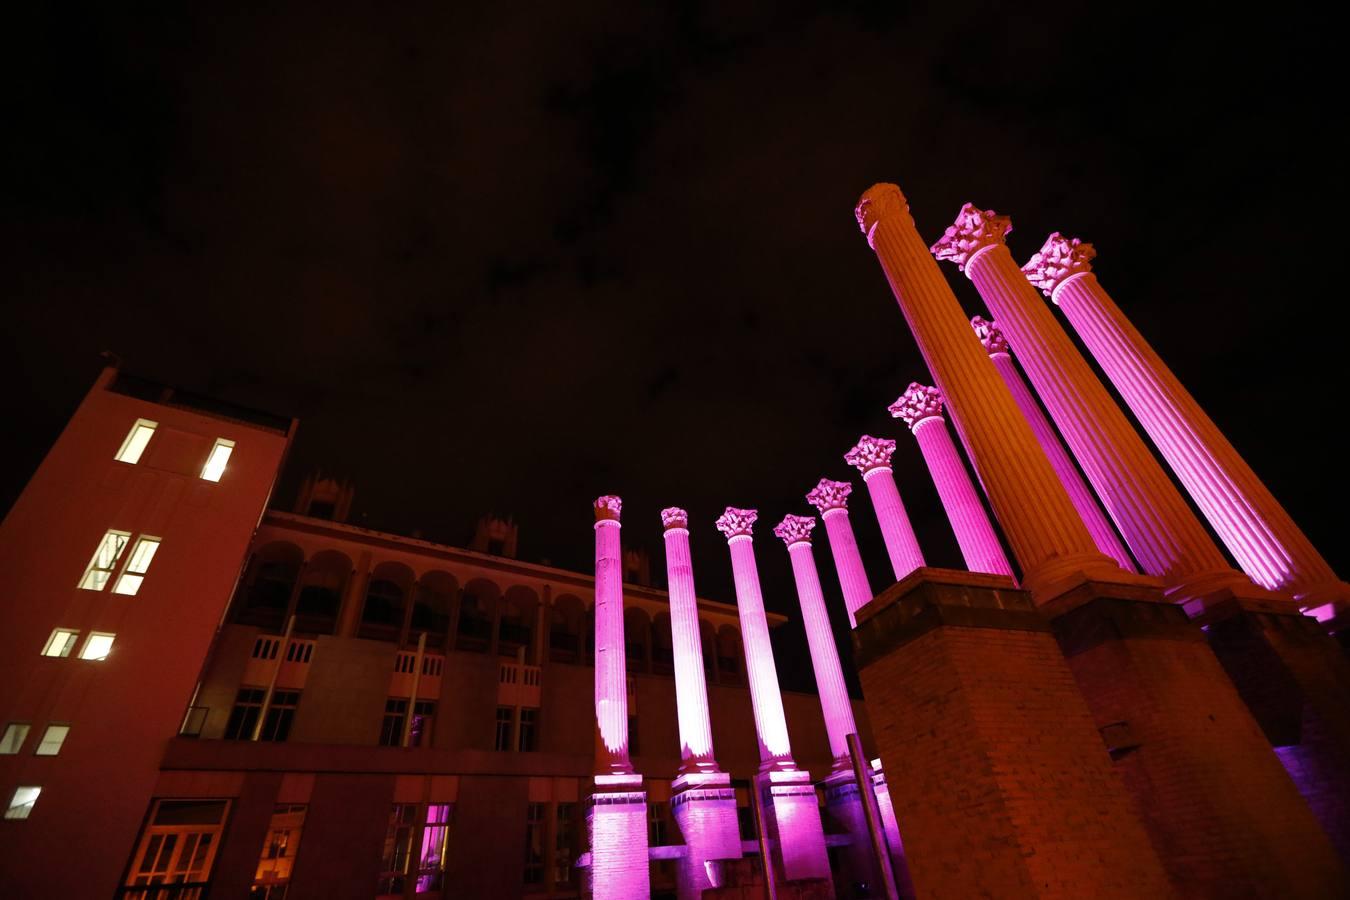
[
  {"x": 704, "y": 807},
  {"x": 616, "y": 818},
  {"x": 792, "y": 815},
  {"x": 993, "y": 761},
  {"x": 1221, "y": 810}
]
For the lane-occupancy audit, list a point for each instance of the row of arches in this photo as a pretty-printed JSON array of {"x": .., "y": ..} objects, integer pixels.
[{"x": 397, "y": 604}]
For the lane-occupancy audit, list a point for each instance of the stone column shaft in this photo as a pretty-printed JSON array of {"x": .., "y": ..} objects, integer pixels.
[
  {"x": 1252, "y": 524},
  {"x": 691, "y": 691},
  {"x": 611, "y": 674},
  {"x": 1046, "y": 534},
  {"x": 1158, "y": 526},
  {"x": 872, "y": 457},
  {"x": 1103, "y": 534},
  {"x": 831, "y": 498}
]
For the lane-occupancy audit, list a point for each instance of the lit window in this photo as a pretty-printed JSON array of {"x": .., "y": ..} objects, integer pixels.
[
  {"x": 21, "y": 804},
  {"x": 15, "y": 734},
  {"x": 105, "y": 559},
  {"x": 273, "y": 875},
  {"x": 52, "y": 739},
  {"x": 61, "y": 642},
  {"x": 134, "y": 573},
  {"x": 431, "y": 865},
  {"x": 137, "y": 438},
  {"x": 97, "y": 645},
  {"x": 177, "y": 848},
  {"x": 215, "y": 463}
]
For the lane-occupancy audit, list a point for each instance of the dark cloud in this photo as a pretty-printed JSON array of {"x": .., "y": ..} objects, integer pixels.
[{"x": 508, "y": 259}]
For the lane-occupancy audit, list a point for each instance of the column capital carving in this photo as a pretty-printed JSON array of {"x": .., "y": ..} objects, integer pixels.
[
  {"x": 736, "y": 522},
  {"x": 674, "y": 517},
  {"x": 917, "y": 403},
  {"x": 608, "y": 508},
  {"x": 829, "y": 495},
  {"x": 870, "y": 453},
  {"x": 973, "y": 231},
  {"x": 795, "y": 529},
  {"x": 878, "y": 202},
  {"x": 990, "y": 335},
  {"x": 1058, "y": 260}
]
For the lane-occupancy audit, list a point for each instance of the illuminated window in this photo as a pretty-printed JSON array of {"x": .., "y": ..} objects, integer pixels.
[
  {"x": 21, "y": 803},
  {"x": 177, "y": 847},
  {"x": 534, "y": 842},
  {"x": 15, "y": 734},
  {"x": 97, "y": 645},
  {"x": 431, "y": 865},
  {"x": 529, "y": 729},
  {"x": 61, "y": 642},
  {"x": 105, "y": 559},
  {"x": 395, "y": 859},
  {"x": 137, "y": 438},
  {"x": 273, "y": 875},
  {"x": 134, "y": 573},
  {"x": 52, "y": 739},
  {"x": 215, "y": 463}
]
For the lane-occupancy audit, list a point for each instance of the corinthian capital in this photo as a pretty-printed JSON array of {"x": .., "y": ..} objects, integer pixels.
[
  {"x": 795, "y": 529},
  {"x": 878, "y": 202},
  {"x": 736, "y": 522},
  {"x": 829, "y": 495},
  {"x": 674, "y": 517},
  {"x": 974, "y": 230},
  {"x": 990, "y": 335},
  {"x": 870, "y": 453},
  {"x": 1057, "y": 261},
  {"x": 608, "y": 508},
  {"x": 917, "y": 403}
]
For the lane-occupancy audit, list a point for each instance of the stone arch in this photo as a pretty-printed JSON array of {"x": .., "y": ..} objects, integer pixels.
[
  {"x": 431, "y": 607},
  {"x": 516, "y": 622},
  {"x": 386, "y": 601},
  {"x": 477, "y": 609},
  {"x": 265, "y": 592},
  {"x": 663, "y": 653},
  {"x": 321, "y": 587},
  {"x": 567, "y": 620},
  {"x": 729, "y": 654},
  {"x": 637, "y": 638}
]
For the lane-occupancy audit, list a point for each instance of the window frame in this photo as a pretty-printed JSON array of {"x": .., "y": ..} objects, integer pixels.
[
  {"x": 23, "y": 729},
  {"x": 12, "y": 807},
  {"x": 86, "y": 582},
  {"x": 46, "y": 737},
  {"x": 129, "y": 441},
  {"x": 89, "y": 639},
  {"x": 135, "y": 567},
  {"x": 72, "y": 638},
  {"x": 221, "y": 444}
]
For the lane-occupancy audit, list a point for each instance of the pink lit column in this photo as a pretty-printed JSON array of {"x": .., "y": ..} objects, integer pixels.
[
  {"x": 1046, "y": 534},
  {"x": 788, "y": 797},
  {"x": 1103, "y": 534},
  {"x": 921, "y": 408},
  {"x": 616, "y": 816},
  {"x": 831, "y": 498},
  {"x": 1160, "y": 529},
  {"x": 1252, "y": 524},
  {"x": 872, "y": 457}
]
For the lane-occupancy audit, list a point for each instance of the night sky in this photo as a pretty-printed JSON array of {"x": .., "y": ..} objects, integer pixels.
[{"x": 508, "y": 259}]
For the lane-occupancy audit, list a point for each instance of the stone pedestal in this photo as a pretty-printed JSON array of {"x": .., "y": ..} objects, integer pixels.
[
  {"x": 704, "y": 807},
  {"x": 1296, "y": 681},
  {"x": 616, "y": 818},
  {"x": 995, "y": 763},
  {"x": 792, "y": 815},
  {"x": 1222, "y": 811}
]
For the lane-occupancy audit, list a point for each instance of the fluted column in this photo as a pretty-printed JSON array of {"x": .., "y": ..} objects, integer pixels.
[
  {"x": 872, "y": 457},
  {"x": 831, "y": 499},
  {"x": 775, "y": 751},
  {"x": 921, "y": 409},
  {"x": 611, "y": 676},
  {"x": 691, "y": 691},
  {"x": 1103, "y": 534},
  {"x": 795, "y": 532},
  {"x": 1252, "y": 524},
  {"x": 1046, "y": 534},
  {"x": 1160, "y": 529}
]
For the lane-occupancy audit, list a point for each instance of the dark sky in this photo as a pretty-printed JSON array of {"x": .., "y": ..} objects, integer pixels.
[{"x": 505, "y": 259}]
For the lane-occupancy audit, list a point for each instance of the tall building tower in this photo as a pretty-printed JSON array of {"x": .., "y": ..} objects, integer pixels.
[{"x": 122, "y": 553}]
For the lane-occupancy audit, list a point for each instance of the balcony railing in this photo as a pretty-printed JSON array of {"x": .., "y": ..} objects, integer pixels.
[{"x": 188, "y": 890}]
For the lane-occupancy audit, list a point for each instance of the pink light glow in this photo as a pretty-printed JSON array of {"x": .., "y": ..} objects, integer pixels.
[
  {"x": 795, "y": 532},
  {"x": 1252, "y": 524},
  {"x": 770, "y": 722},
  {"x": 617, "y": 822},
  {"x": 872, "y": 457},
  {"x": 831, "y": 498},
  {"x": 611, "y": 676},
  {"x": 1103, "y": 535},
  {"x": 691, "y": 692},
  {"x": 921, "y": 409}
]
